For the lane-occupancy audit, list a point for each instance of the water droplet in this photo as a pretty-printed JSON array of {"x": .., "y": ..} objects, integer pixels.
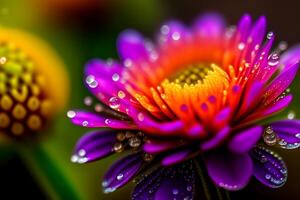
[
  {"x": 175, "y": 191},
  {"x": 297, "y": 135},
  {"x": 269, "y": 137},
  {"x": 104, "y": 183},
  {"x": 134, "y": 142},
  {"x": 85, "y": 123},
  {"x": 71, "y": 114},
  {"x": 291, "y": 115},
  {"x": 189, "y": 188},
  {"x": 114, "y": 102},
  {"x": 141, "y": 117},
  {"x": 115, "y": 77},
  {"x": 165, "y": 29},
  {"x": 128, "y": 62},
  {"x": 241, "y": 46},
  {"x": 98, "y": 108},
  {"x": 121, "y": 94},
  {"x": 267, "y": 176},
  {"x": 176, "y": 36},
  {"x": 120, "y": 177},
  {"x": 107, "y": 121},
  {"x": 273, "y": 60},
  {"x": 109, "y": 190},
  {"x": 81, "y": 152},
  {"x": 270, "y": 35},
  {"x": 74, "y": 158},
  {"x": 88, "y": 101},
  {"x": 118, "y": 147},
  {"x": 2, "y": 60},
  {"x": 89, "y": 79}
]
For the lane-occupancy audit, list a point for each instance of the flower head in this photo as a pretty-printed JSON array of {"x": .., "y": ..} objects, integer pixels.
[
  {"x": 28, "y": 93},
  {"x": 197, "y": 93}
]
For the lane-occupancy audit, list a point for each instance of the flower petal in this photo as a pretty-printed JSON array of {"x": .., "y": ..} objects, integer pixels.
[
  {"x": 92, "y": 120},
  {"x": 94, "y": 145},
  {"x": 176, "y": 157},
  {"x": 131, "y": 45},
  {"x": 243, "y": 141},
  {"x": 121, "y": 172},
  {"x": 280, "y": 83},
  {"x": 268, "y": 168},
  {"x": 176, "y": 182},
  {"x": 290, "y": 57},
  {"x": 288, "y": 133},
  {"x": 229, "y": 170},
  {"x": 210, "y": 25},
  {"x": 216, "y": 140}
]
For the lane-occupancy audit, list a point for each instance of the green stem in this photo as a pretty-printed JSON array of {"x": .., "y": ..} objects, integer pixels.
[
  {"x": 47, "y": 172},
  {"x": 209, "y": 189}
]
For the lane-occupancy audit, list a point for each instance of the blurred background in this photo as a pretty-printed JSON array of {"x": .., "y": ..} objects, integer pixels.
[{"x": 82, "y": 29}]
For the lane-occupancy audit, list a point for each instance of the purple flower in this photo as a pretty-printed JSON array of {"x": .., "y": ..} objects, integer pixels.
[{"x": 198, "y": 94}]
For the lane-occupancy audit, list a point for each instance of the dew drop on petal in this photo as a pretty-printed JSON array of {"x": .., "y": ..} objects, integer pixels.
[
  {"x": 270, "y": 35},
  {"x": 297, "y": 135},
  {"x": 115, "y": 77},
  {"x": 71, "y": 114},
  {"x": 176, "y": 36},
  {"x": 85, "y": 123},
  {"x": 175, "y": 191},
  {"x": 273, "y": 60},
  {"x": 121, "y": 94},
  {"x": 120, "y": 177},
  {"x": 107, "y": 121},
  {"x": 241, "y": 46},
  {"x": 114, "y": 102},
  {"x": 127, "y": 62},
  {"x": 141, "y": 117}
]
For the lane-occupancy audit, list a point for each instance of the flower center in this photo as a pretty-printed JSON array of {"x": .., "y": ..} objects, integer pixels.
[
  {"x": 191, "y": 75},
  {"x": 24, "y": 105}
]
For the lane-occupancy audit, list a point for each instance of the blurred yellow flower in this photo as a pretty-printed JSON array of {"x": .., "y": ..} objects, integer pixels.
[{"x": 33, "y": 84}]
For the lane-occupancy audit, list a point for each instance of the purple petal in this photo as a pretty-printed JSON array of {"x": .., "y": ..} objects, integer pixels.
[
  {"x": 216, "y": 140},
  {"x": 131, "y": 45},
  {"x": 172, "y": 31},
  {"x": 157, "y": 147},
  {"x": 229, "y": 170},
  {"x": 281, "y": 83},
  {"x": 244, "y": 27},
  {"x": 176, "y": 182},
  {"x": 268, "y": 168},
  {"x": 176, "y": 157},
  {"x": 93, "y": 146},
  {"x": 290, "y": 57},
  {"x": 210, "y": 25},
  {"x": 258, "y": 31},
  {"x": 288, "y": 133},
  {"x": 243, "y": 141},
  {"x": 121, "y": 172},
  {"x": 92, "y": 120}
]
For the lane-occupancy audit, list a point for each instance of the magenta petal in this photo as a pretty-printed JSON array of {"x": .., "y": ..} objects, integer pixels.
[
  {"x": 210, "y": 25},
  {"x": 288, "y": 131},
  {"x": 290, "y": 57},
  {"x": 94, "y": 145},
  {"x": 258, "y": 31},
  {"x": 268, "y": 168},
  {"x": 243, "y": 141},
  {"x": 229, "y": 170},
  {"x": 157, "y": 147},
  {"x": 92, "y": 120},
  {"x": 131, "y": 45},
  {"x": 281, "y": 83},
  {"x": 244, "y": 27},
  {"x": 121, "y": 172},
  {"x": 175, "y": 182}
]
